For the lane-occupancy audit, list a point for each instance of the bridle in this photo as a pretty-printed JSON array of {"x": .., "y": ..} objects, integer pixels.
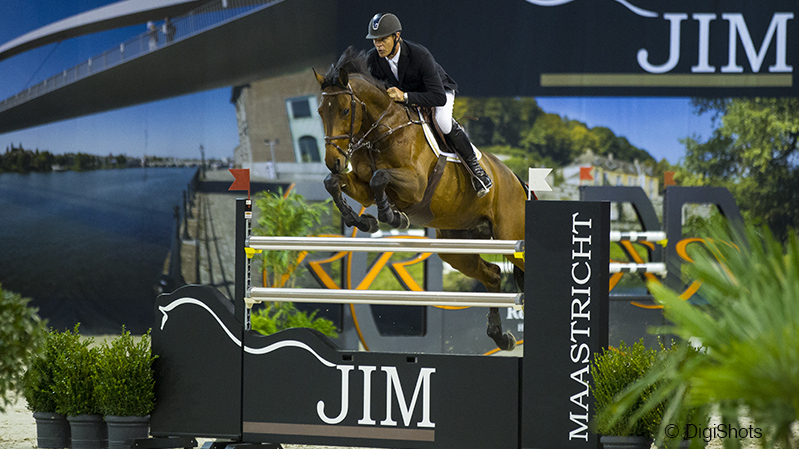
[{"x": 362, "y": 142}]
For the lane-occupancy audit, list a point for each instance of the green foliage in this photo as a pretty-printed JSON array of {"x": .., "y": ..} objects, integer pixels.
[
  {"x": 40, "y": 379},
  {"x": 74, "y": 373},
  {"x": 275, "y": 317},
  {"x": 289, "y": 216},
  {"x": 613, "y": 371},
  {"x": 20, "y": 160},
  {"x": 748, "y": 364},
  {"x": 752, "y": 152},
  {"x": 21, "y": 335},
  {"x": 519, "y": 128},
  {"x": 124, "y": 383}
]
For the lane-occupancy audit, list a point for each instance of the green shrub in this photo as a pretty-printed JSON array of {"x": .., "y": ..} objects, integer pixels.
[
  {"x": 124, "y": 383},
  {"x": 74, "y": 372},
  {"x": 39, "y": 382},
  {"x": 748, "y": 327},
  {"x": 286, "y": 215},
  {"x": 278, "y": 316},
  {"x": 22, "y": 333},
  {"x": 613, "y": 371}
]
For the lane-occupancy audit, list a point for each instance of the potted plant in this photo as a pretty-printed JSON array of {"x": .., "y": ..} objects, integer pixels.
[
  {"x": 613, "y": 372},
  {"x": 73, "y": 391},
  {"x": 125, "y": 388},
  {"x": 52, "y": 428},
  {"x": 747, "y": 330}
]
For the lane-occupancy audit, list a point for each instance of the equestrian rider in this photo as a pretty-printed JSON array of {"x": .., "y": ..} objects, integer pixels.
[{"x": 417, "y": 79}]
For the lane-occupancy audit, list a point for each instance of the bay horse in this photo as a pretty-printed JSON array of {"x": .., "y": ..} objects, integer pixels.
[{"x": 377, "y": 153}]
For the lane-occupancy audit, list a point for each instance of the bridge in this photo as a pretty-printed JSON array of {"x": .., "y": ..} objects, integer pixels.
[
  {"x": 213, "y": 44},
  {"x": 233, "y": 42}
]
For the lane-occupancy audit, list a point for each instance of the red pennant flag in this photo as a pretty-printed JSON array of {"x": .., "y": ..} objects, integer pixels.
[
  {"x": 585, "y": 174},
  {"x": 668, "y": 179},
  {"x": 241, "y": 179}
]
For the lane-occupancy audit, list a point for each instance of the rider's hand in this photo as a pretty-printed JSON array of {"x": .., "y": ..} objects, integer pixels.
[{"x": 396, "y": 94}]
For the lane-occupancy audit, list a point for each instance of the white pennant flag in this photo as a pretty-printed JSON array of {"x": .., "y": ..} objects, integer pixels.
[{"x": 536, "y": 181}]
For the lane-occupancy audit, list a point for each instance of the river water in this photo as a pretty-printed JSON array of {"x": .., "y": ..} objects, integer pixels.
[{"x": 88, "y": 247}]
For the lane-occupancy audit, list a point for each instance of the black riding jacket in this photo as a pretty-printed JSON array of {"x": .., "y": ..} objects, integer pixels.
[{"x": 419, "y": 75}]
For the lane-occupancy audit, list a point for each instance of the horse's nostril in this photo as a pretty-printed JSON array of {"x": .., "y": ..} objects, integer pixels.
[{"x": 338, "y": 165}]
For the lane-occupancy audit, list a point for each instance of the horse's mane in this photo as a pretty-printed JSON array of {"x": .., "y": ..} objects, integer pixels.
[{"x": 353, "y": 62}]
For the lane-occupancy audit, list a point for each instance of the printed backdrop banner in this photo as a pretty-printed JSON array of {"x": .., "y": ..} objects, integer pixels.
[{"x": 600, "y": 47}]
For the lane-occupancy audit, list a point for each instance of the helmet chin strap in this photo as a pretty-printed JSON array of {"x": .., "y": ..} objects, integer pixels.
[{"x": 393, "y": 47}]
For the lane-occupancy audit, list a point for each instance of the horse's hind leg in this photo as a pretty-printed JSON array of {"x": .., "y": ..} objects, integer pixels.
[{"x": 476, "y": 267}]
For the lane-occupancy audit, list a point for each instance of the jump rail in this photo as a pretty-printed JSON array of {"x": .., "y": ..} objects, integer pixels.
[
  {"x": 634, "y": 236},
  {"x": 450, "y": 246},
  {"x": 651, "y": 267},
  {"x": 393, "y": 297}
]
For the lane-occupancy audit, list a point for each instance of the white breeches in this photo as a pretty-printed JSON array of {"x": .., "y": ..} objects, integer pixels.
[{"x": 443, "y": 114}]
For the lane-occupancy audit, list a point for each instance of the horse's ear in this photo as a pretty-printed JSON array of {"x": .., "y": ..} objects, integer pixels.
[
  {"x": 319, "y": 78},
  {"x": 343, "y": 78}
]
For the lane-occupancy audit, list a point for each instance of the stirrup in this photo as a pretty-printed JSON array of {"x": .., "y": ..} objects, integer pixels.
[{"x": 481, "y": 188}]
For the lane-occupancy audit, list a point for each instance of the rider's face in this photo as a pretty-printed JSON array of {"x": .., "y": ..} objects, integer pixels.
[{"x": 384, "y": 45}]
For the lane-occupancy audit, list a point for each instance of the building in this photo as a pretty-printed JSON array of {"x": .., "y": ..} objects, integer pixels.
[
  {"x": 606, "y": 170},
  {"x": 281, "y": 136}
]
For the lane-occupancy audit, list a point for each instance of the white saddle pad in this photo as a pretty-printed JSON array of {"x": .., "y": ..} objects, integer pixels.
[{"x": 451, "y": 157}]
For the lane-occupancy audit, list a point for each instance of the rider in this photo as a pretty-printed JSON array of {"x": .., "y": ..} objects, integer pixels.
[{"x": 416, "y": 78}]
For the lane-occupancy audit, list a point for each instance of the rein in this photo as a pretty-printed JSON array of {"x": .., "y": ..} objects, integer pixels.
[{"x": 363, "y": 141}]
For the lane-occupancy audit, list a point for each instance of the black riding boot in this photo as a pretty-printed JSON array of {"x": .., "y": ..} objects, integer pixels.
[{"x": 459, "y": 141}]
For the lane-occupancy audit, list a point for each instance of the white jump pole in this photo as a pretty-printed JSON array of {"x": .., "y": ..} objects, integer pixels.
[
  {"x": 634, "y": 236},
  {"x": 449, "y": 246},
  {"x": 385, "y": 297},
  {"x": 658, "y": 268}
]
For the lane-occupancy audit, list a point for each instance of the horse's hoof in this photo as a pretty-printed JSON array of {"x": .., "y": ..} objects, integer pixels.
[
  {"x": 508, "y": 341},
  {"x": 368, "y": 223},
  {"x": 405, "y": 222},
  {"x": 504, "y": 341}
]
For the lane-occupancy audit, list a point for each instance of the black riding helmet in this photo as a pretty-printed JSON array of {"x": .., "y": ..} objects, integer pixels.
[{"x": 382, "y": 25}]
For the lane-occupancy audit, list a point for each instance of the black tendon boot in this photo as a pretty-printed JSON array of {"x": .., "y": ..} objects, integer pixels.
[{"x": 458, "y": 140}]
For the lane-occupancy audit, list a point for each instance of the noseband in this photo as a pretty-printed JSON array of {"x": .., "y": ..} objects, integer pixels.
[{"x": 362, "y": 142}]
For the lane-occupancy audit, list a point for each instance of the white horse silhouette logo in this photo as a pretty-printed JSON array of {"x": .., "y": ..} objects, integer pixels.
[{"x": 625, "y": 3}]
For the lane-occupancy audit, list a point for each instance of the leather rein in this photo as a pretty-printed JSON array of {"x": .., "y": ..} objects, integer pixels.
[{"x": 363, "y": 142}]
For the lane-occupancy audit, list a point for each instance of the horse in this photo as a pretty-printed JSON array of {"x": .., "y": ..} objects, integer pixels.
[{"x": 377, "y": 153}]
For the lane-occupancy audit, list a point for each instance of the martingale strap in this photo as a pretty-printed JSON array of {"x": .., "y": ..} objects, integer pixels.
[{"x": 420, "y": 213}]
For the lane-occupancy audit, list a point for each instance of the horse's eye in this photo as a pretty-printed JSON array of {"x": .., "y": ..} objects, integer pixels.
[{"x": 345, "y": 111}]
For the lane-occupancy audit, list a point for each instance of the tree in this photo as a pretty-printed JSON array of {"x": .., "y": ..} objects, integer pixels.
[
  {"x": 519, "y": 128},
  {"x": 550, "y": 137},
  {"x": 500, "y": 120},
  {"x": 752, "y": 152}
]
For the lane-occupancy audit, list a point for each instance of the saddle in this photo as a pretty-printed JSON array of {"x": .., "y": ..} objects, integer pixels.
[
  {"x": 436, "y": 139},
  {"x": 420, "y": 214}
]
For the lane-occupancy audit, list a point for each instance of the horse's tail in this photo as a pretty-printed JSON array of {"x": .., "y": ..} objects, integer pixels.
[{"x": 524, "y": 185}]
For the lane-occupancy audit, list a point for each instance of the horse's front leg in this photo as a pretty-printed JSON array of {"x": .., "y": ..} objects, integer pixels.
[
  {"x": 385, "y": 211},
  {"x": 333, "y": 185}
]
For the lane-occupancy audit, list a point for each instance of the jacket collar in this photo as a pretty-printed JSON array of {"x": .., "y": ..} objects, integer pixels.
[{"x": 405, "y": 58}]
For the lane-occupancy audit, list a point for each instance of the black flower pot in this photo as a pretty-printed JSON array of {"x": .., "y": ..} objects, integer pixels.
[
  {"x": 52, "y": 430},
  {"x": 611, "y": 442},
  {"x": 88, "y": 432},
  {"x": 123, "y": 429}
]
